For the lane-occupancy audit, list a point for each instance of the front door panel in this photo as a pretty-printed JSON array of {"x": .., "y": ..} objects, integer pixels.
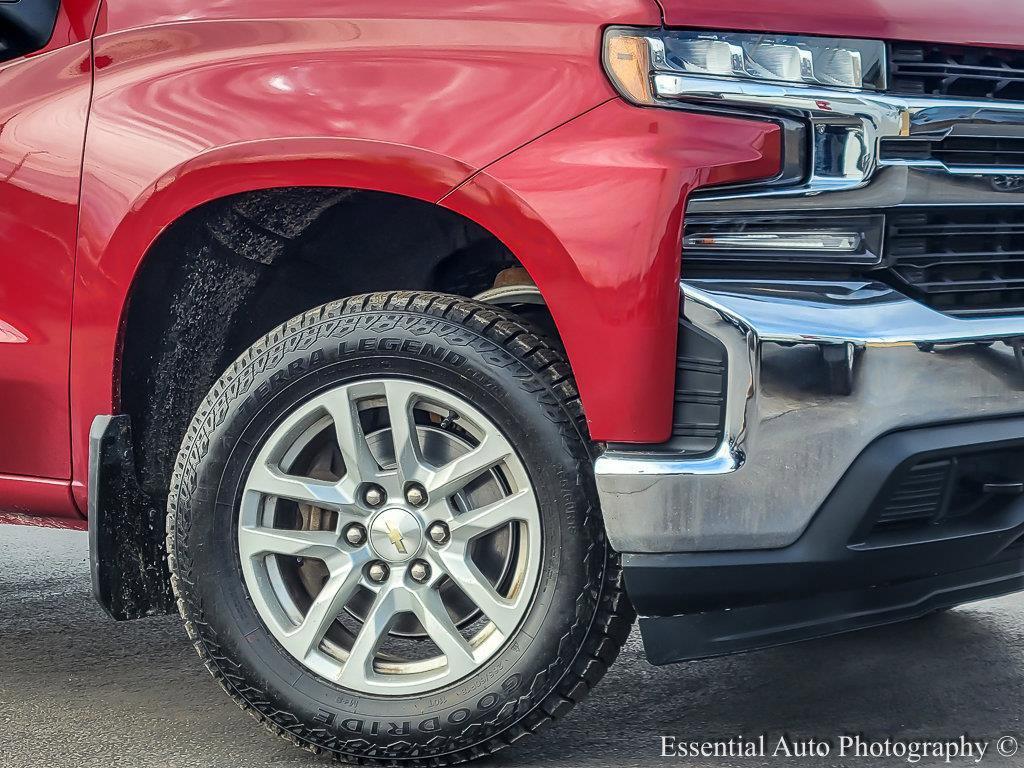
[{"x": 44, "y": 102}]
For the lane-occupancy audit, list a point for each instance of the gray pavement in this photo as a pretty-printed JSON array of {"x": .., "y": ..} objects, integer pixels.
[{"x": 78, "y": 690}]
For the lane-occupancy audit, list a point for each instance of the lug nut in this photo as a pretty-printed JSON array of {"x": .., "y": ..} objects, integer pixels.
[
  {"x": 419, "y": 571},
  {"x": 377, "y": 572},
  {"x": 415, "y": 495},
  {"x": 355, "y": 534},
  {"x": 374, "y": 496},
  {"x": 438, "y": 533}
]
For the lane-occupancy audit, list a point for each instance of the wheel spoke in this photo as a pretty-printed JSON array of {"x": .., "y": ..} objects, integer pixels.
[
  {"x": 358, "y": 668},
  {"x": 429, "y": 608},
  {"x": 360, "y": 466},
  {"x": 321, "y": 493},
  {"x": 477, "y": 522},
  {"x": 456, "y": 474},
  {"x": 325, "y": 609},
  {"x": 321, "y": 545},
  {"x": 461, "y": 568},
  {"x": 400, "y": 397}
]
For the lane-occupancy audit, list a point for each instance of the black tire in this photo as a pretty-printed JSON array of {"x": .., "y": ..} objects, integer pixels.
[{"x": 579, "y": 617}]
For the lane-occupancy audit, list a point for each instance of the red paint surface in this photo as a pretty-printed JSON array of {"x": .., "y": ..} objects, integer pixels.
[
  {"x": 42, "y": 127},
  {"x": 21, "y": 497},
  {"x": 978, "y": 22},
  {"x": 75, "y": 22},
  {"x": 594, "y": 212}
]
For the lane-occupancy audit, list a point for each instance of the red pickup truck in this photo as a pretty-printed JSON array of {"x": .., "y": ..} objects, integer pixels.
[{"x": 406, "y": 349}]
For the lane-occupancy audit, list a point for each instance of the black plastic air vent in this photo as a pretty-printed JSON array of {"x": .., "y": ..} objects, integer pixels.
[
  {"x": 960, "y": 151},
  {"x": 923, "y": 69},
  {"x": 918, "y": 495},
  {"x": 961, "y": 489},
  {"x": 698, "y": 418}
]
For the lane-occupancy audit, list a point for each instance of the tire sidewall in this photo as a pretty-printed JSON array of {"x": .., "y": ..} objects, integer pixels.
[{"x": 293, "y": 368}]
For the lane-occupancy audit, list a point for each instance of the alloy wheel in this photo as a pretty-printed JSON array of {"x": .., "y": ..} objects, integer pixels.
[{"x": 389, "y": 537}]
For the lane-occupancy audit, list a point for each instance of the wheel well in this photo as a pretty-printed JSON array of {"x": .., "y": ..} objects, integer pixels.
[{"x": 231, "y": 270}]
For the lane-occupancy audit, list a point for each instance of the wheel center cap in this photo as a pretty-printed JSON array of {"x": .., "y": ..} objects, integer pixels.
[{"x": 395, "y": 535}]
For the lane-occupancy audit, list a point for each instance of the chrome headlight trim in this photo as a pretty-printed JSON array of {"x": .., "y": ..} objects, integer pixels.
[{"x": 846, "y": 125}]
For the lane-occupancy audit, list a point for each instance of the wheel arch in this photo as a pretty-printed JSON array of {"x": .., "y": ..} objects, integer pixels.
[
  {"x": 460, "y": 256},
  {"x": 115, "y": 245}
]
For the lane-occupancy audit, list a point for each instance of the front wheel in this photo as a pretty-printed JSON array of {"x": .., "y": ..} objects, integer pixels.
[{"x": 383, "y": 532}]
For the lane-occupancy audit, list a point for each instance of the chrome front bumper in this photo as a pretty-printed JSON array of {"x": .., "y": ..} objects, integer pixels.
[{"x": 790, "y": 433}]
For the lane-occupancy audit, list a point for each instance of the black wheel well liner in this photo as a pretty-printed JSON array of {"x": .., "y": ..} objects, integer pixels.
[{"x": 230, "y": 270}]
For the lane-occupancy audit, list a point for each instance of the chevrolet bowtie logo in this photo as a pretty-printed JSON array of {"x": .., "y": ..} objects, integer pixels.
[{"x": 395, "y": 537}]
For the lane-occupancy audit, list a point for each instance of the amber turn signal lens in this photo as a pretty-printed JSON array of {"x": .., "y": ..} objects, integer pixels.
[{"x": 628, "y": 61}]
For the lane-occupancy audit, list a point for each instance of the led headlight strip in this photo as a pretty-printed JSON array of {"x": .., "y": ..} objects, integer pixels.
[
  {"x": 631, "y": 55},
  {"x": 824, "y": 241}
]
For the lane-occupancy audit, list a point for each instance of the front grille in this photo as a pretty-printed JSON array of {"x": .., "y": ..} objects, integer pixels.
[
  {"x": 953, "y": 151},
  {"x": 917, "y": 69},
  {"x": 961, "y": 261}
]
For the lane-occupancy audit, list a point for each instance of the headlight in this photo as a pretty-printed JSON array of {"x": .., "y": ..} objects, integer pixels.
[{"x": 633, "y": 57}]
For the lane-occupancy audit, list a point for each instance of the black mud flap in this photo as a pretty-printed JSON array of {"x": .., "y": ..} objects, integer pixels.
[{"x": 126, "y": 528}]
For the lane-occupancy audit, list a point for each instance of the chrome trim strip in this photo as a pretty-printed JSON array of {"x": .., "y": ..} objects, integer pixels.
[
  {"x": 789, "y": 433},
  {"x": 847, "y": 125}
]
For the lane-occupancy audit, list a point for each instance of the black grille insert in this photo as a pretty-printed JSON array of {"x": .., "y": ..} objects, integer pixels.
[
  {"x": 918, "y": 69},
  {"x": 961, "y": 261},
  {"x": 699, "y": 415},
  {"x": 957, "y": 151},
  {"x": 918, "y": 495},
  {"x": 966, "y": 489}
]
